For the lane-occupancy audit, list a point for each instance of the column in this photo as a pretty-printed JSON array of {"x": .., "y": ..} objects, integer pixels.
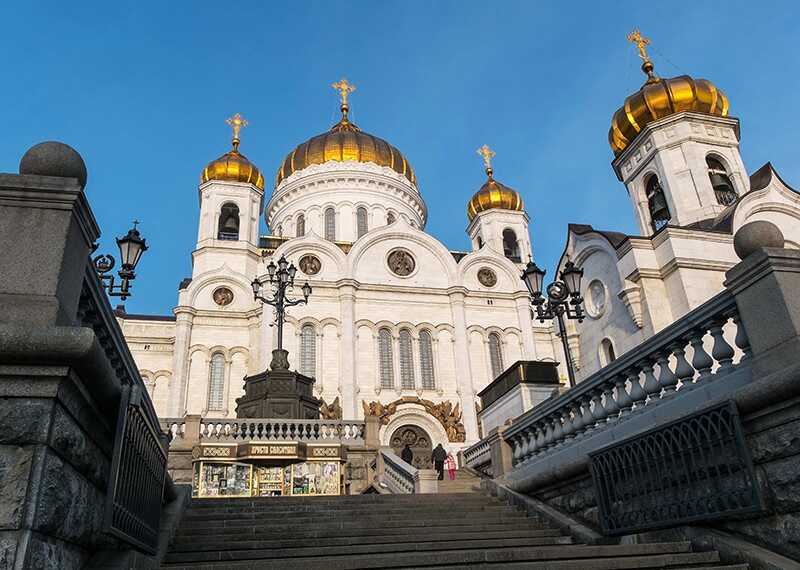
[
  {"x": 180, "y": 361},
  {"x": 463, "y": 371},
  {"x": 347, "y": 348},
  {"x": 526, "y": 326},
  {"x": 255, "y": 362}
]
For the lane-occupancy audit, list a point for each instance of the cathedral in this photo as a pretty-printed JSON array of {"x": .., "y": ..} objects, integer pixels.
[{"x": 399, "y": 325}]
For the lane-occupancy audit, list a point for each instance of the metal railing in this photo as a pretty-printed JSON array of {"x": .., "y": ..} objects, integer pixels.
[
  {"x": 694, "y": 469},
  {"x": 396, "y": 474},
  {"x": 665, "y": 366}
]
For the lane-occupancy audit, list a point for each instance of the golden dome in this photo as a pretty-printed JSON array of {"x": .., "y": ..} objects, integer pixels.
[
  {"x": 345, "y": 141},
  {"x": 233, "y": 166},
  {"x": 659, "y": 98},
  {"x": 492, "y": 194}
]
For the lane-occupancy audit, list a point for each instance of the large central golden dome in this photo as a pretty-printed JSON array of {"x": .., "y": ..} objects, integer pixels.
[{"x": 345, "y": 141}]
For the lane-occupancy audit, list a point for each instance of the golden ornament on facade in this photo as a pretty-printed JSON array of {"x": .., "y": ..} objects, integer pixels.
[
  {"x": 233, "y": 166},
  {"x": 659, "y": 98},
  {"x": 446, "y": 413},
  {"x": 332, "y": 411},
  {"x": 345, "y": 141},
  {"x": 492, "y": 194}
]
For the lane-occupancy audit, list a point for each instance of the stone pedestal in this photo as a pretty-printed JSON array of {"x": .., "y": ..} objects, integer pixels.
[
  {"x": 278, "y": 394},
  {"x": 426, "y": 481}
]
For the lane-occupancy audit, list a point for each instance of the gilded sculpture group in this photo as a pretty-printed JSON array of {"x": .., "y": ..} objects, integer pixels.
[{"x": 445, "y": 412}]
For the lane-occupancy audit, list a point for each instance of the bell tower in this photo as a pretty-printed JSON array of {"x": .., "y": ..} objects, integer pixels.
[{"x": 677, "y": 150}]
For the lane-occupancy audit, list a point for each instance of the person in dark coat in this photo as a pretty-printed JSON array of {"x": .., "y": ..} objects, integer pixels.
[
  {"x": 407, "y": 455},
  {"x": 438, "y": 456}
]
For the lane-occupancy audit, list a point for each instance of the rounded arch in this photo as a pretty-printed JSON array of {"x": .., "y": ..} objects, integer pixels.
[
  {"x": 606, "y": 351},
  {"x": 311, "y": 243},
  {"x": 413, "y": 414},
  {"x": 222, "y": 276},
  {"x": 504, "y": 266}
]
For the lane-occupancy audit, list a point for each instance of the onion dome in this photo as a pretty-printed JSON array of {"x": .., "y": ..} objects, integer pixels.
[
  {"x": 659, "y": 98},
  {"x": 492, "y": 194},
  {"x": 345, "y": 141},
  {"x": 233, "y": 166}
]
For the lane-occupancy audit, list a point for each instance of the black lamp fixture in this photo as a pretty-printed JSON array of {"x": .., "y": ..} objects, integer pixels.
[
  {"x": 280, "y": 277},
  {"x": 131, "y": 247},
  {"x": 563, "y": 299}
]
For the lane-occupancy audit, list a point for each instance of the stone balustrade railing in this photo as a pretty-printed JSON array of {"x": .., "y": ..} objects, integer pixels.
[
  {"x": 398, "y": 475},
  {"x": 689, "y": 353},
  {"x": 175, "y": 428},
  {"x": 478, "y": 454},
  {"x": 242, "y": 430}
]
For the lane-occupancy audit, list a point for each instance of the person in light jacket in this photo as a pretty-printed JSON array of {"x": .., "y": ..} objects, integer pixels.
[{"x": 450, "y": 465}]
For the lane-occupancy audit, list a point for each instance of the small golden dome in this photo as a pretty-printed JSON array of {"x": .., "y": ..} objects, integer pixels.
[
  {"x": 233, "y": 166},
  {"x": 493, "y": 194},
  {"x": 659, "y": 98},
  {"x": 345, "y": 141}
]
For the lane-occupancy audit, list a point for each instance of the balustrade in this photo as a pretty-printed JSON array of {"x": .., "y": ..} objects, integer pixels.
[
  {"x": 242, "y": 430},
  {"x": 657, "y": 369},
  {"x": 397, "y": 474}
]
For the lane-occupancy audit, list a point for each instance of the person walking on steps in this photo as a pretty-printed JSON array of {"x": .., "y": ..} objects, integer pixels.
[
  {"x": 407, "y": 455},
  {"x": 438, "y": 456},
  {"x": 450, "y": 465}
]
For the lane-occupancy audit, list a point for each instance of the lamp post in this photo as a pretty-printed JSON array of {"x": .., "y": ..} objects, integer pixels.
[
  {"x": 131, "y": 247},
  {"x": 280, "y": 277},
  {"x": 563, "y": 299}
]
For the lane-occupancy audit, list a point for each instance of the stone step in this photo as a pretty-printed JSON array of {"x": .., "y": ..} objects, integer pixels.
[
  {"x": 422, "y": 509},
  {"x": 659, "y": 555},
  {"x": 339, "y": 499},
  {"x": 374, "y": 516},
  {"x": 322, "y": 539},
  {"x": 316, "y": 531},
  {"x": 354, "y": 549}
]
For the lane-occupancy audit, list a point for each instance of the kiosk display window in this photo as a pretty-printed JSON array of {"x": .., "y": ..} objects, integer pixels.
[
  {"x": 269, "y": 481},
  {"x": 224, "y": 479},
  {"x": 316, "y": 478}
]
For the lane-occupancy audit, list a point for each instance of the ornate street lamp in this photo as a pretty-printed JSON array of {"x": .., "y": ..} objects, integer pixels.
[
  {"x": 131, "y": 247},
  {"x": 563, "y": 298},
  {"x": 280, "y": 277}
]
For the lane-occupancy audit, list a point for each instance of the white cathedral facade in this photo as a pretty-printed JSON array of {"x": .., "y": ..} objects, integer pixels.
[{"x": 396, "y": 318}]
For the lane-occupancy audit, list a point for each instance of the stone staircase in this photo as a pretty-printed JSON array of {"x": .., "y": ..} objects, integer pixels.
[
  {"x": 465, "y": 482},
  {"x": 453, "y": 530}
]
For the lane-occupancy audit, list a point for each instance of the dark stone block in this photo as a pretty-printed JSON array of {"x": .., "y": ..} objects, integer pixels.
[
  {"x": 25, "y": 420},
  {"x": 45, "y": 553},
  {"x": 74, "y": 445},
  {"x": 15, "y": 471},
  {"x": 775, "y": 443}
]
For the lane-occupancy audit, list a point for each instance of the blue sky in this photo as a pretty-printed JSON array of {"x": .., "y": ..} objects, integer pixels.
[{"x": 141, "y": 90}]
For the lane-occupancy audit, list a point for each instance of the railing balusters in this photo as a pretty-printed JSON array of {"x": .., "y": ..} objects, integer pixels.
[
  {"x": 623, "y": 399},
  {"x": 587, "y": 423},
  {"x": 701, "y": 360},
  {"x": 599, "y": 412},
  {"x": 722, "y": 352},
  {"x": 611, "y": 406},
  {"x": 666, "y": 378},
  {"x": 651, "y": 386},
  {"x": 637, "y": 394},
  {"x": 683, "y": 370}
]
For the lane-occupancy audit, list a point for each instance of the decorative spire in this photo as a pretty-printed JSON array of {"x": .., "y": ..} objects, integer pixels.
[
  {"x": 236, "y": 122},
  {"x": 487, "y": 154},
  {"x": 636, "y": 37},
  {"x": 344, "y": 88}
]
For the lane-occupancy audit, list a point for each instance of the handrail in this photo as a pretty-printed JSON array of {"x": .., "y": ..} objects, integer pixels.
[
  {"x": 398, "y": 475},
  {"x": 630, "y": 382},
  {"x": 479, "y": 453}
]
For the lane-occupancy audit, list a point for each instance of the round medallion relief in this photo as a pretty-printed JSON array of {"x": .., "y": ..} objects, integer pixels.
[
  {"x": 401, "y": 262},
  {"x": 223, "y": 296},
  {"x": 487, "y": 277},
  {"x": 596, "y": 299},
  {"x": 310, "y": 264}
]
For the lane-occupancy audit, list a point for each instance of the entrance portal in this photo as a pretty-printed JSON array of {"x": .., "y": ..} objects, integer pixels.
[{"x": 420, "y": 443}]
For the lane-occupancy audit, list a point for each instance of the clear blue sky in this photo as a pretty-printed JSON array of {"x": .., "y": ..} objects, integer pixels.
[{"x": 141, "y": 90}]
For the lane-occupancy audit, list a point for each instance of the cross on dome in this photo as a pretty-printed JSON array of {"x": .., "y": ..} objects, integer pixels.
[
  {"x": 636, "y": 37},
  {"x": 487, "y": 154},
  {"x": 236, "y": 122},
  {"x": 344, "y": 88}
]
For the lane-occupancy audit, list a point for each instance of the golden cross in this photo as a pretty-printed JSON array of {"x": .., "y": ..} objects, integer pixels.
[
  {"x": 344, "y": 88},
  {"x": 236, "y": 122},
  {"x": 641, "y": 42},
  {"x": 487, "y": 154}
]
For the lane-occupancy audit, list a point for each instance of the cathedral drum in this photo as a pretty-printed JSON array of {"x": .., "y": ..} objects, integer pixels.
[{"x": 419, "y": 441}]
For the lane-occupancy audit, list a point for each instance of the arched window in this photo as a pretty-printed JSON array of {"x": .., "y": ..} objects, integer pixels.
[
  {"x": 495, "y": 355},
  {"x": 216, "y": 382},
  {"x": 480, "y": 242},
  {"x": 390, "y": 218},
  {"x": 510, "y": 245},
  {"x": 228, "y": 227},
  {"x": 278, "y": 230},
  {"x": 330, "y": 224},
  {"x": 361, "y": 221},
  {"x": 607, "y": 354},
  {"x": 657, "y": 203},
  {"x": 426, "y": 360},
  {"x": 385, "y": 364},
  {"x": 308, "y": 351},
  {"x": 721, "y": 182},
  {"x": 300, "y": 231},
  {"x": 406, "y": 360}
]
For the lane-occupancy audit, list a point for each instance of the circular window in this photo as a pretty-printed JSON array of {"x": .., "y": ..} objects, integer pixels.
[
  {"x": 401, "y": 262},
  {"x": 487, "y": 277},
  {"x": 310, "y": 264},
  {"x": 596, "y": 299},
  {"x": 223, "y": 296}
]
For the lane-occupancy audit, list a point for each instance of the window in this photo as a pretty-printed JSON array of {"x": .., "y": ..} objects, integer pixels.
[
  {"x": 426, "y": 360},
  {"x": 278, "y": 230},
  {"x": 228, "y": 227},
  {"x": 385, "y": 364},
  {"x": 216, "y": 382},
  {"x": 308, "y": 351},
  {"x": 607, "y": 354},
  {"x": 361, "y": 221},
  {"x": 510, "y": 245},
  {"x": 390, "y": 218},
  {"x": 495, "y": 355},
  {"x": 657, "y": 203},
  {"x": 300, "y": 231},
  {"x": 721, "y": 182},
  {"x": 330, "y": 224},
  {"x": 480, "y": 242},
  {"x": 406, "y": 360}
]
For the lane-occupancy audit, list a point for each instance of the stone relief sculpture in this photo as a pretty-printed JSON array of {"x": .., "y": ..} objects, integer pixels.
[
  {"x": 332, "y": 411},
  {"x": 446, "y": 413}
]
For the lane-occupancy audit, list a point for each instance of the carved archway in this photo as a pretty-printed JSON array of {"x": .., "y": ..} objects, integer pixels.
[{"x": 419, "y": 441}]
